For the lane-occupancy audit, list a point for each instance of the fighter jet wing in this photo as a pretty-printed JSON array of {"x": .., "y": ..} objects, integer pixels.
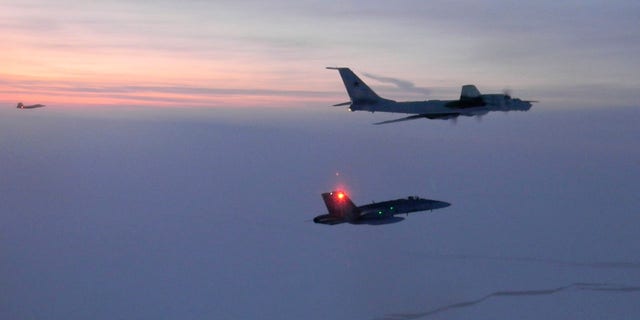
[{"x": 419, "y": 116}]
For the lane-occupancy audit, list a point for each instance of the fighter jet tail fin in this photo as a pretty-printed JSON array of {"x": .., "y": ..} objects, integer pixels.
[
  {"x": 358, "y": 91},
  {"x": 340, "y": 206}
]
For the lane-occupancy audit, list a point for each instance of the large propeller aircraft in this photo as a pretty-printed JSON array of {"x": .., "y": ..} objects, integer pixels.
[
  {"x": 341, "y": 209},
  {"x": 471, "y": 102}
]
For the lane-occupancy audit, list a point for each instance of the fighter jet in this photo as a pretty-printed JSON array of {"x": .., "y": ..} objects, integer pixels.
[
  {"x": 471, "y": 102},
  {"x": 22, "y": 106},
  {"x": 341, "y": 209}
]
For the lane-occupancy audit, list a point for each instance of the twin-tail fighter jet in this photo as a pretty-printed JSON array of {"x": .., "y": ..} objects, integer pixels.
[
  {"x": 471, "y": 102},
  {"x": 33, "y": 106},
  {"x": 341, "y": 209}
]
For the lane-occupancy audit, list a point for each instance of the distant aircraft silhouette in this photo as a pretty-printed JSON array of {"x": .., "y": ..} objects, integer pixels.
[
  {"x": 471, "y": 102},
  {"x": 33, "y": 106},
  {"x": 341, "y": 209}
]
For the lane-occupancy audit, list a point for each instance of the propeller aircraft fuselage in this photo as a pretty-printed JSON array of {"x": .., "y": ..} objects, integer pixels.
[{"x": 471, "y": 102}]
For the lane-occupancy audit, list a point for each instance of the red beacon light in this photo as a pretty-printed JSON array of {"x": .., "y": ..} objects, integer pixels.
[{"x": 340, "y": 195}]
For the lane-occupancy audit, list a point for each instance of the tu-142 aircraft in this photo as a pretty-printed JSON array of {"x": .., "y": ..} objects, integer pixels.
[
  {"x": 471, "y": 102},
  {"x": 33, "y": 106},
  {"x": 341, "y": 209}
]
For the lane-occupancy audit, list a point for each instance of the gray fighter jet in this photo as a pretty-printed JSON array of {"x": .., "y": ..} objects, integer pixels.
[
  {"x": 471, "y": 102},
  {"x": 22, "y": 106},
  {"x": 341, "y": 209}
]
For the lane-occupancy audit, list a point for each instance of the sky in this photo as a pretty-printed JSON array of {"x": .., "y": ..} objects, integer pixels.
[
  {"x": 178, "y": 165},
  {"x": 273, "y": 54}
]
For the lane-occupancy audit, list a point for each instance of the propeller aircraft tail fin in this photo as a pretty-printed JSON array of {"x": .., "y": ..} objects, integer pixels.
[{"x": 358, "y": 91}]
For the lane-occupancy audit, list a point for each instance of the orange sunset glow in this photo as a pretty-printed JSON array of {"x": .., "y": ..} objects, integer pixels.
[
  {"x": 203, "y": 54},
  {"x": 74, "y": 62}
]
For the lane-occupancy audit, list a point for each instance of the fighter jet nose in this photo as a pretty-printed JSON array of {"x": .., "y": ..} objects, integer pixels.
[{"x": 441, "y": 204}]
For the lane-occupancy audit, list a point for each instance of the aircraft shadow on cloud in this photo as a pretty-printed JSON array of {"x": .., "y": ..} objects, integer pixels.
[
  {"x": 342, "y": 209},
  {"x": 471, "y": 102},
  {"x": 580, "y": 286}
]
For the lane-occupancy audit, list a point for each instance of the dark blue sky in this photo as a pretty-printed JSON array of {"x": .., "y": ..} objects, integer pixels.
[{"x": 205, "y": 214}]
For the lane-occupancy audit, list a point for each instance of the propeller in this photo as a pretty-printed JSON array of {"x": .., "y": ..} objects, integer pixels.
[{"x": 507, "y": 92}]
